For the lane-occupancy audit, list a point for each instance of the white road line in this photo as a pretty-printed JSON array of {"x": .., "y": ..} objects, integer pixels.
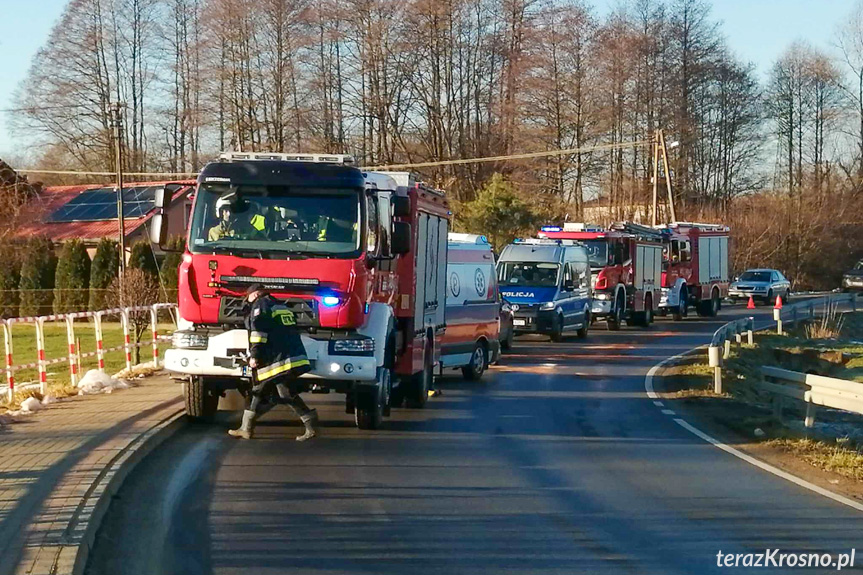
[
  {"x": 658, "y": 403},
  {"x": 668, "y": 412},
  {"x": 769, "y": 468},
  {"x": 648, "y": 388}
]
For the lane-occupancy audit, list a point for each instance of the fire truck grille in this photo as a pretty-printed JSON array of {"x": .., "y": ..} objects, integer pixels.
[{"x": 305, "y": 311}]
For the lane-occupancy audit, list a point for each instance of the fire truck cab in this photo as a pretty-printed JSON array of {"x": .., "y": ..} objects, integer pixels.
[
  {"x": 358, "y": 257},
  {"x": 626, "y": 265}
]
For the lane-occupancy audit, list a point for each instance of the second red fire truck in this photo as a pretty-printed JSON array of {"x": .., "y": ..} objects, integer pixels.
[{"x": 626, "y": 262}]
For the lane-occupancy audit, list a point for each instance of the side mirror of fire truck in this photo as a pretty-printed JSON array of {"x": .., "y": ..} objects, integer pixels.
[
  {"x": 401, "y": 206},
  {"x": 159, "y": 222},
  {"x": 401, "y": 240}
]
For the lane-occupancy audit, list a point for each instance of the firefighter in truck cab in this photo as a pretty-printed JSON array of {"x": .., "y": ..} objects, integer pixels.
[{"x": 277, "y": 358}]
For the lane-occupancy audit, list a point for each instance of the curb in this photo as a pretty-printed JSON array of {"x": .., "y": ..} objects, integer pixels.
[
  {"x": 67, "y": 552},
  {"x": 108, "y": 483}
]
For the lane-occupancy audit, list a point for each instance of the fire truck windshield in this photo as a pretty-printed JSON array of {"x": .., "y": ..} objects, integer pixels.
[
  {"x": 597, "y": 252},
  {"x": 276, "y": 221},
  {"x": 535, "y": 274}
]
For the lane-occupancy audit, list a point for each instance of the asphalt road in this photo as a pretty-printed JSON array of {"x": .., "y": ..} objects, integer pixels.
[{"x": 556, "y": 462}]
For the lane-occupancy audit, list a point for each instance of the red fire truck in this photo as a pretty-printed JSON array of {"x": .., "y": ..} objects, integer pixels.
[
  {"x": 626, "y": 265},
  {"x": 359, "y": 258},
  {"x": 695, "y": 268}
]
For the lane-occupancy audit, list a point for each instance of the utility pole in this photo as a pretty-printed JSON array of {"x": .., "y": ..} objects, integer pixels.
[
  {"x": 117, "y": 124},
  {"x": 660, "y": 149}
]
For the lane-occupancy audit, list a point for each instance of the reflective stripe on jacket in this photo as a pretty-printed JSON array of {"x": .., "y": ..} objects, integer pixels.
[{"x": 274, "y": 340}]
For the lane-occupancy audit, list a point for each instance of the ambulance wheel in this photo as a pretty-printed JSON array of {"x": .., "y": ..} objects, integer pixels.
[
  {"x": 418, "y": 392},
  {"x": 556, "y": 329},
  {"x": 682, "y": 307},
  {"x": 478, "y": 362},
  {"x": 616, "y": 318},
  {"x": 585, "y": 325},
  {"x": 201, "y": 402}
]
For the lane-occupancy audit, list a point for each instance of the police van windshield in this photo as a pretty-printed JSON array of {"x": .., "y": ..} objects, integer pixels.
[
  {"x": 536, "y": 274},
  {"x": 597, "y": 252},
  {"x": 274, "y": 220}
]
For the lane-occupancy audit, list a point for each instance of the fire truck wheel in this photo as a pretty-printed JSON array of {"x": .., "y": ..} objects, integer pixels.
[
  {"x": 557, "y": 329},
  {"x": 478, "y": 362},
  {"x": 682, "y": 307},
  {"x": 420, "y": 383},
  {"x": 201, "y": 402},
  {"x": 616, "y": 317},
  {"x": 369, "y": 412},
  {"x": 645, "y": 318}
]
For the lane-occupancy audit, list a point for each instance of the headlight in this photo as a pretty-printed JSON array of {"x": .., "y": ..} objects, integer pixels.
[
  {"x": 363, "y": 346},
  {"x": 188, "y": 340},
  {"x": 601, "y": 296},
  {"x": 547, "y": 305}
]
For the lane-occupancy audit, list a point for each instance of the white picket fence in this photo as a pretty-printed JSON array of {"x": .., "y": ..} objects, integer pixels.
[{"x": 75, "y": 355}]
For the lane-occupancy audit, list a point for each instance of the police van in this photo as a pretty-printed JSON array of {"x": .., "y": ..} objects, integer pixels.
[
  {"x": 548, "y": 285},
  {"x": 471, "y": 340}
]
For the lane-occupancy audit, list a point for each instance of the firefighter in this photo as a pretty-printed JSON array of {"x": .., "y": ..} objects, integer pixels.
[
  {"x": 277, "y": 358},
  {"x": 233, "y": 225}
]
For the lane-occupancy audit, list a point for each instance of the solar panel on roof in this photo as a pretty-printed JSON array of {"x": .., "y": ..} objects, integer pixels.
[{"x": 100, "y": 204}]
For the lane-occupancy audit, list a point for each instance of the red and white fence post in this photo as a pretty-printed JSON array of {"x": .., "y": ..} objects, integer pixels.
[
  {"x": 127, "y": 348},
  {"x": 10, "y": 376},
  {"x": 154, "y": 317},
  {"x": 100, "y": 353},
  {"x": 73, "y": 349},
  {"x": 40, "y": 351}
]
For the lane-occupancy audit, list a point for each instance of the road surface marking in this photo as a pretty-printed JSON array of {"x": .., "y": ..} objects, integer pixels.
[
  {"x": 668, "y": 412},
  {"x": 769, "y": 468},
  {"x": 651, "y": 393},
  {"x": 658, "y": 403}
]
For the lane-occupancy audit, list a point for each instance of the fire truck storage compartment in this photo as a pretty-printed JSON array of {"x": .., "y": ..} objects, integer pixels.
[
  {"x": 712, "y": 259},
  {"x": 648, "y": 267},
  {"x": 431, "y": 261}
]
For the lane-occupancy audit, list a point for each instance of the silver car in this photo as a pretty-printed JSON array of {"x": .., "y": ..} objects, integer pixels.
[{"x": 762, "y": 284}]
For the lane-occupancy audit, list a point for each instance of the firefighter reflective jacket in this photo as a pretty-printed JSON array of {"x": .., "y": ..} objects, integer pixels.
[{"x": 274, "y": 340}]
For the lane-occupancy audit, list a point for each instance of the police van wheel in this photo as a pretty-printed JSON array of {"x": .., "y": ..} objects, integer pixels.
[
  {"x": 557, "y": 330},
  {"x": 201, "y": 402},
  {"x": 586, "y": 321},
  {"x": 369, "y": 411}
]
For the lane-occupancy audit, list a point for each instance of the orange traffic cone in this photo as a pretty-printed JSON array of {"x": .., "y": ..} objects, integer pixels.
[
  {"x": 751, "y": 304},
  {"x": 778, "y": 304}
]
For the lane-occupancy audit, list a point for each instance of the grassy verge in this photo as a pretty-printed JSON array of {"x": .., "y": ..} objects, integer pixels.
[
  {"x": 56, "y": 346},
  {"x": 836, "y": 457}
]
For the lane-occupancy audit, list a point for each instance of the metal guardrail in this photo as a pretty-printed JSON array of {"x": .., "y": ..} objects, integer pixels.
[
  {"x": 720, "y": 345},
  {"x": 806, "y": 309},
  {"x": 814, "y": 390}
]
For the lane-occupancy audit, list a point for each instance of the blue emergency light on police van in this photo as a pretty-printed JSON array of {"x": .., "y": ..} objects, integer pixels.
[{"x": 551, "y": 229}]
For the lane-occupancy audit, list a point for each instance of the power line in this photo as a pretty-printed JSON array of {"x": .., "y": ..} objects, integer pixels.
[
  {"x": 525, "y": 156},
  {"x": 44, "y": 108}
]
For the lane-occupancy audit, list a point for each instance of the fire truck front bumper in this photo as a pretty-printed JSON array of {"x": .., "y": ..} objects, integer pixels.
[
  {"x": 223, "y": 357},
  {"x": 600, "y": 306}
]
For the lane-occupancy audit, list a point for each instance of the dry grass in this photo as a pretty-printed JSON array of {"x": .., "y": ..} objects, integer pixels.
[
  {"x": 837, "y": 457},
  {"x": 829, "y": 326}
]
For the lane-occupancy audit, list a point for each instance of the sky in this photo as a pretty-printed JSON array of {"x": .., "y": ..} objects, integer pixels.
[{"x": 757, "y": 31}]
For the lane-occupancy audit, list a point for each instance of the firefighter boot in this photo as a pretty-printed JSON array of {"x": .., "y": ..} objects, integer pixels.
[
  {"x": 309, "y": 420},
  {"x": 247, "y": 428}
]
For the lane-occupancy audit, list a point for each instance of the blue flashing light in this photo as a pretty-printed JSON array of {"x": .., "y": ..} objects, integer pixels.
[
  {"x": 330, "y": 301},
  {"x": 551, "y": 229}
]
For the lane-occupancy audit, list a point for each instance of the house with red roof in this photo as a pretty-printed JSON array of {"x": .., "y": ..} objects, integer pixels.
[{"x": 89, "y": 212}]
